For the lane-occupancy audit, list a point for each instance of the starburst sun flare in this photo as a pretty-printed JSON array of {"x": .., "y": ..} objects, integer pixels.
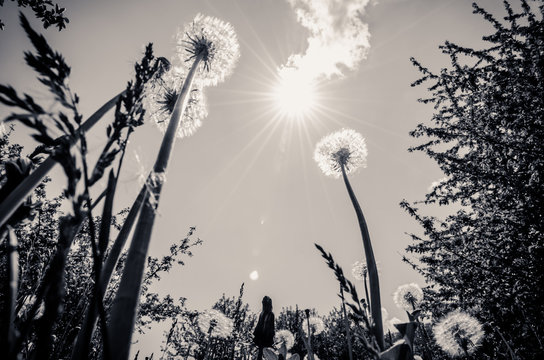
[{"x": 295, "y": 93}]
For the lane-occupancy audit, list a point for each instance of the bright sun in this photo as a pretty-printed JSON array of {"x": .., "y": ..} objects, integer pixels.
[{"x": 295, "y": 93}]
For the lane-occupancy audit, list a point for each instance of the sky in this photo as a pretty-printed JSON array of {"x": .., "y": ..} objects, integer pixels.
[{"x": 247, "y": 179}]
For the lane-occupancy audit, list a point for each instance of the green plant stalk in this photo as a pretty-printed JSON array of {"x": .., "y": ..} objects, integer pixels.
[
  {"x": 81, "y": 349},
  {"x": 310, "y": 350},
  {"x": 21, "y": 192},
  {"x": 366, "y": 293},
  {"x": 375, "y": 302},
  {"x": 53, "y": 289},
  {"x": 346, "y": 323},
  {"x": 12, "y": 266},
  {"x": 84, "y": 336},
  {"x": 96, "y": 297},
  {"x": 125, "y": 304}
]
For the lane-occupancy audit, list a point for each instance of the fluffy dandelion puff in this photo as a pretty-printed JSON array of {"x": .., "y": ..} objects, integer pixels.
[
  {"x": 345, "y": 147},
  {"x": 408, "y": 297},
  {"x": 458, "y": 333},
  {"x": 359, "y": 270},
  {"x": 160, "y": 97},
  {"x": 213, "y": 39},
  {"x": 316, "y": 325},
  {"x": 284, "y": 337},
  {"x": 215, "y": 323}
]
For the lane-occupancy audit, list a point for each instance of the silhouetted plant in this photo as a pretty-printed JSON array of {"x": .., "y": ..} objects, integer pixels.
[
  {"x": 65, "y": 119},
  {"x": 45, "y": 10},
  {"x": 486, "y": 136},
  {"x": 339, "y": 154}
]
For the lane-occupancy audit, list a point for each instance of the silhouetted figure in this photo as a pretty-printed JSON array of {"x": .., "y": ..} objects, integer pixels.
[{"x": 264, "y": 331}]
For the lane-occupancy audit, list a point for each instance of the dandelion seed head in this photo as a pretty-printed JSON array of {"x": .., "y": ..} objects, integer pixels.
[
  {"x": 345, "y": 147},
  {"x": 284, "y": 337},
  {"x": 408, "y": 296},
  {"x": 161, "y": 95},
  {"x": 316, "y": 325},
  {"x": 359, "y": 270},
  {"x": 215, "y": 323},
  {"x": 458, "y": 332},
  {"x": 216, "y": 40}
]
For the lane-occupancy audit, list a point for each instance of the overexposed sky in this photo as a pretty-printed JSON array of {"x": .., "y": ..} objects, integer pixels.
[{"x": 247, "y": 179}]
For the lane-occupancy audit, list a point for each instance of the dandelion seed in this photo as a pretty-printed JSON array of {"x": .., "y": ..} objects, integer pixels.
[
  {"x": 359, "y": 270},
  {"x": 316, "y": 325},
  {"x": 216, "y": 41},
  {"x": 458, "y": 333},
  {"x": 215, "y": 323},
  {"x": 284, "y": 337},
  {"x": 160, "y": 97},
  {"x": 408, "y": 297},
  {"x": 345, "y": 148}
]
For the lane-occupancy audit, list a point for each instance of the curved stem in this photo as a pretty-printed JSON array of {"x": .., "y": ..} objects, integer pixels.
[
  {"x": 125, "y": 304},
  {"x": 375, "y": 303},
  {"x": 80, "y": 349},
  {"x": 366, "y": 293}
]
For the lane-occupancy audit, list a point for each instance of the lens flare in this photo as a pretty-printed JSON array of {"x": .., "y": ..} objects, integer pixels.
[
  {"x": 254, "y": 275},
  {"x": 295, "y": 93}
]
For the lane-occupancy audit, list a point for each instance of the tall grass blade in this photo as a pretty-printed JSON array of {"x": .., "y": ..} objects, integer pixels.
[
  {"x": 89, "y": 321},
  {"x": 12, "y": 267},
  {"x": 17, "y": 196},
  {"x": 125, "y": 305}
]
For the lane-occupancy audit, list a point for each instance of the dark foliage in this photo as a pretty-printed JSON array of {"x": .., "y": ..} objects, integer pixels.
[
  {"x": 487, "y": 136},
  {"x": 57, "y": 130},
  {"x": 45, "y": 10}
]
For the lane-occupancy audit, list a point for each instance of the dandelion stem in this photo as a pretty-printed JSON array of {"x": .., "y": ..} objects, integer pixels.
[
  {"x": 375, "y": 305},
  {"x": 107, "y": 270},
  {"x": 125, "y": 304},
  {"x": 366, "y": 293}
]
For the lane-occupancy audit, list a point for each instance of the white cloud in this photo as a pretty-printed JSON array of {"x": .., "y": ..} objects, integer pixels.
[{"x": 339, "y": 39}]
